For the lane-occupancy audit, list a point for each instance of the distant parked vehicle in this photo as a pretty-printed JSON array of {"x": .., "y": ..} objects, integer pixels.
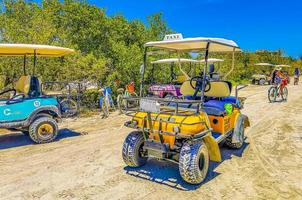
[{"x": 265, "y": 76}]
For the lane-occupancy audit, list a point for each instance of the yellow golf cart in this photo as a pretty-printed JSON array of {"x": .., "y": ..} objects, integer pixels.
[{"x": 187, "y": 131}]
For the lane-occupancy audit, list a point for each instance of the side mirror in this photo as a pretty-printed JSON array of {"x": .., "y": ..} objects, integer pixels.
[{"x": 142, "y": 69}]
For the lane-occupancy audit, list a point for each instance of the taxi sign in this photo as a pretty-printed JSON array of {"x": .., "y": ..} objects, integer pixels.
[{"x": 171, "y": 37}]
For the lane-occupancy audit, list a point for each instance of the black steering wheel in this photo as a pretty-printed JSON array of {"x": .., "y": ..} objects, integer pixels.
[
  {"x": 16, "y": 99},
  {"x": 9, "y": 90},
  {"x": 199, "y": 84}
]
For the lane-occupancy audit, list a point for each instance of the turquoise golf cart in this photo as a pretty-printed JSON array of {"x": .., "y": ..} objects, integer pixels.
[{"x": 24, "y": 108}]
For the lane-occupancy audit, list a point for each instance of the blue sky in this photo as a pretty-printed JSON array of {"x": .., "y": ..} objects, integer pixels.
[{"x": 253, "y": 24}]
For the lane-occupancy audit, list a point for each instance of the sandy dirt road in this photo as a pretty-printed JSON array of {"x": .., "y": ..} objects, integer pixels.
[{"x": 86, "y": 163}]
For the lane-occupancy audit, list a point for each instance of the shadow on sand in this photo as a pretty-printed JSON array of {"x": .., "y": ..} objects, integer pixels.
[
  {"x": 166, "y": 173},
  {"x": 18, "y": 139}
]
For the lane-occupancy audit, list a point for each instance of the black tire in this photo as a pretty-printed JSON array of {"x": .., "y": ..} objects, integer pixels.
[
  {"x": 43, "y": 130},
  {"x": 194, "y": 162},
  {"x": 133, "y": 150},
  {"x": 261, "y": 81},
  {"x": 238, "y": 134},
  {"x": 69, "y": 108},
  {"x": 253, "y": 81},
  {"x": 285, "y": 94},
  {"x": 121, "y": 103},
  {"x": 272, "y": 94},
  {"x": 105, "y": 107}
]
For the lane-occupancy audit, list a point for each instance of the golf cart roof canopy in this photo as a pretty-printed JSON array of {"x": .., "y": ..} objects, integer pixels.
[
  {"x": 283, "y": 66},
  {"x": 212, "y": 60},
  {"x": 33, "y": 49},
  {"x": 265, "y": 64},
  {"x": 198, "y": 43},
  {"x": 174, "y": 60}
]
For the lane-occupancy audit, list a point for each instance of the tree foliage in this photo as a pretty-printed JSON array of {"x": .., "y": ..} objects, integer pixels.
[{"x": 107, "y": 48}]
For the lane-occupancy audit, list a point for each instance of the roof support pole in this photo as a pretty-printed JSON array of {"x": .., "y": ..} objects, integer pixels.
[
  {"x": 233, "y": 64},
  {"x": 24, "y": 65},
  {"x": 142, "y": 71},
  {"x": 35, "y": 61},
  {"x": 205, "y": 70}
]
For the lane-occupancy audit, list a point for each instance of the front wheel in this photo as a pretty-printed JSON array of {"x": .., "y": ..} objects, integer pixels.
[
  {"x": 43, "y": 130},
  {"x": 121, "y": 104},
  {"x": 133, "y": 152},
  {"x": 272, "y": 94},
  {"x": 194, "y": 162}
]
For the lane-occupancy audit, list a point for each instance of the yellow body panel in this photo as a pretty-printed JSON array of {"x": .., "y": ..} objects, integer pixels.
[
  {"x": 188, "y": 125},
  {"x": 213, "y": 148},
  {"x": 224, "y": 124}
]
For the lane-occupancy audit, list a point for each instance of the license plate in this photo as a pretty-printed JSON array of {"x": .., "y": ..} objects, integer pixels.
[{"x": 147, "y": 105}]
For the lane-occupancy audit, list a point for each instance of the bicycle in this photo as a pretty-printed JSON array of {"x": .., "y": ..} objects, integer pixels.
[
  {"x": 63, "y": 92},
  {"x": 123, "y": 104},
  {"x": 106, "y": 101},
  {"x": 69, "y": 107},
  {"x": 275, "y": 91}
]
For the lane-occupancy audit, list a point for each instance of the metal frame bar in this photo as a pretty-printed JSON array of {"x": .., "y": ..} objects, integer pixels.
[{"x": 24, "y": 65}]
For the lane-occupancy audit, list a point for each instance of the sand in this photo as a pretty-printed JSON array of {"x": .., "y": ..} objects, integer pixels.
[{"x": 86, "y": 162}]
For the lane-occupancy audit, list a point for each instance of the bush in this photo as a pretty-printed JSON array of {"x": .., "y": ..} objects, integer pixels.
[{"x": 90, "y": 98}]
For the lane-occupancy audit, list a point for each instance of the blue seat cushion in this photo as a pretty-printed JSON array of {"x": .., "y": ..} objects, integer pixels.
[
  {"x": 232, "y": 100},
  {"x": 214, "y": 107},
  {"x": 215, "y": 103}
]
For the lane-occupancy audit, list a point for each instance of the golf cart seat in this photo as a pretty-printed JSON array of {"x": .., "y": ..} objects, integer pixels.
[
  {"x": 216, "y": 98},
  {"x": 181, "y": 79},
  {"x": 29, "y": 86}
]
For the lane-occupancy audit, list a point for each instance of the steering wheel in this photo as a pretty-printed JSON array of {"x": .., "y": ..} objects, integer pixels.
[
  {"x": 9, "y": 90},
  {"x": 16, "y": 98},
  {"x": 199, "y": 84}
]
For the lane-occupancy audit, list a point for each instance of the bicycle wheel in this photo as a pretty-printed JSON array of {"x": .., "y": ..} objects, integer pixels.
[
  {"x": 285, "y": 94},
  {"x": 69, "y": 108},
  {"x": 104, "y": 107},
  {"x": 272, "y": 94},
  {"x": 121, "y": 103}
]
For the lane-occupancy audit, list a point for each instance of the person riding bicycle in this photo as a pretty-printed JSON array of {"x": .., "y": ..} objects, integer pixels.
[{"x": 279, "y": 78}]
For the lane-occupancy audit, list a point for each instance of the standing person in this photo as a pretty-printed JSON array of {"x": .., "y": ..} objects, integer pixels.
[{"x": 296, "y": 76}]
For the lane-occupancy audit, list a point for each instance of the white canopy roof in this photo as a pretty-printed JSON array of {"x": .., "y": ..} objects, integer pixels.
[
  {"x": 30, "y": 49},
  {"x": 174, "y": 60},
  {"x": 199, "y": 43},
  {"x": 265, "y": 64},
  {"x": 212, "y": 60},
  {"x": 283, "y": 66}
]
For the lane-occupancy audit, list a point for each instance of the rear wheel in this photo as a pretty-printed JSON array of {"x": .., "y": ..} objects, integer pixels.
[
  {"x": 133, "y": 152},
  {"x": 272, "y": 94},
  {"x": 105, "y": 107},
  {"x": 194, "y": 162},
  {"x": 69, "y": 108},
  {"x": 43, "y": 130},
  {"x": 284, "y": 94}
]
